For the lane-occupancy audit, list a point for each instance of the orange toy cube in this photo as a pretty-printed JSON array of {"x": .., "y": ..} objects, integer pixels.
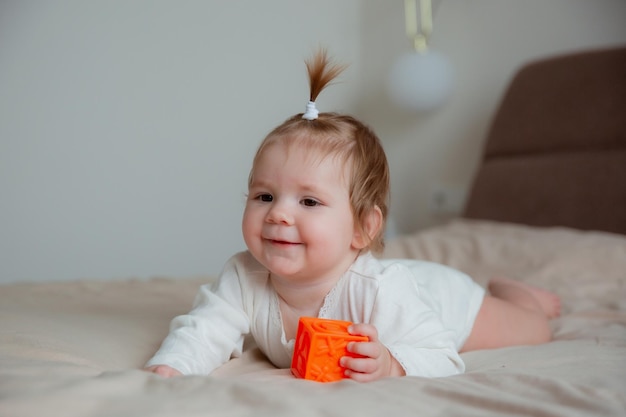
[{"x": 320, "y": 343}]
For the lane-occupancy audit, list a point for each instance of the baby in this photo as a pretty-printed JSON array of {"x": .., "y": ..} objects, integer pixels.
[{"x": 316, "y": 208}]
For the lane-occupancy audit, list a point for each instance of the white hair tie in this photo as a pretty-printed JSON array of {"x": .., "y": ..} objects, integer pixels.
[{"x": 311, "y": 112}]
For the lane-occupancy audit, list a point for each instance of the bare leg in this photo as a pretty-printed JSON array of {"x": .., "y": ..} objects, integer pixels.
[
  {"x": 527, "y": 296},
  {"x": 514, "y": 314}
]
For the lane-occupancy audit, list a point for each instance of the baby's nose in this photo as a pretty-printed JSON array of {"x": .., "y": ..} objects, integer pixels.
[{"x": 280, "y": 214}]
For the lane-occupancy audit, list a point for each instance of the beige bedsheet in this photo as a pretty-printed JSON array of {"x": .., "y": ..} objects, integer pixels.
[{"x": 74, "y": 349}]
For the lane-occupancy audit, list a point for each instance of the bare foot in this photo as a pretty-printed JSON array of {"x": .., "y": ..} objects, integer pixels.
[{"x": 549, "y": 302}]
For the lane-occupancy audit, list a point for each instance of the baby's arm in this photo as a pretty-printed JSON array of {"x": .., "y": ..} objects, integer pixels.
[
  {"x": 377, "y": 361},
  {"x": 212, "y": 332},
  {"x": 203, "y": 339},
  {"x": 163, "y": 370}
]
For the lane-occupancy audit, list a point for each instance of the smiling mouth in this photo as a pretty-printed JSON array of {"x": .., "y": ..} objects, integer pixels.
[{"x": 281, "y": 242}]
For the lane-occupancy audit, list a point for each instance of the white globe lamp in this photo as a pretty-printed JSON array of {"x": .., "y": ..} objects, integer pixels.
[{"x": 421, "y": 80}]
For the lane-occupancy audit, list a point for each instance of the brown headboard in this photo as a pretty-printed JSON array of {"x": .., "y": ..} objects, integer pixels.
[{"x": 556, "y": 151}]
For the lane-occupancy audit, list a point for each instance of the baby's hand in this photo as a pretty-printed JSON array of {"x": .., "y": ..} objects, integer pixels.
[
  {"x": 163, "y": 370},
  {"x": 377, "y": 361}
]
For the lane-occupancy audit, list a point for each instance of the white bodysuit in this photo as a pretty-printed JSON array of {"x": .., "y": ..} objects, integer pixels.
[{"x": 423, "y": 312}]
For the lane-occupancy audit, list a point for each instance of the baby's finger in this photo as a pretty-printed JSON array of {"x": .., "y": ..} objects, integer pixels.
[
  {"x": 360, "y": 377},
  {"x": 359, "y": 365},
  {"x": 164, "y": 371},
  {"x": 363, "y": 329},
  {"x": 367, "y": 349}
]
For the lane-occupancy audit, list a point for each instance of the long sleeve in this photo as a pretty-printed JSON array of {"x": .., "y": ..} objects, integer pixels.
[{"x": 212, "y": 332}]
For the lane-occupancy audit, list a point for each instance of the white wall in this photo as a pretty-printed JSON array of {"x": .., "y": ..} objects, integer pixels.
[
  {"x": 127, "y": 128},
  {"x": 486, "y": 41}
]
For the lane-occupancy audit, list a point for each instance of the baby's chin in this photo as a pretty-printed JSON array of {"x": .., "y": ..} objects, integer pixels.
[{"x": 283, "y": 266}]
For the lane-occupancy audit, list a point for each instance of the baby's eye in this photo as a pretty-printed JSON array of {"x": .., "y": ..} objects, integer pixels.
[
  {"x": 265, "y": 197},
  {"x": 309, "y": 202}
]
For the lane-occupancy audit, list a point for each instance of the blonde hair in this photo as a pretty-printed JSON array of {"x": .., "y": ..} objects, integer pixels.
[{"x": 345, "y": 137}]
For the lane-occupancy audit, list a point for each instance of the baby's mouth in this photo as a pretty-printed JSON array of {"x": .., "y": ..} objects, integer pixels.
[{"x": 279, "y": 242}]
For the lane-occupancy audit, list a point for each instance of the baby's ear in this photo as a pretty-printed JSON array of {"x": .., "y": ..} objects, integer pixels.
[{"x": 370, "y": 228}]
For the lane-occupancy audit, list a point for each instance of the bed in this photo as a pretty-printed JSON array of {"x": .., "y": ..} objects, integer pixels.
[{"x": 547, "y": 206}]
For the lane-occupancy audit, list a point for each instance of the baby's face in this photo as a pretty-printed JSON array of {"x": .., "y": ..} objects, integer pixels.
[{"x": 298, "y": 220}]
